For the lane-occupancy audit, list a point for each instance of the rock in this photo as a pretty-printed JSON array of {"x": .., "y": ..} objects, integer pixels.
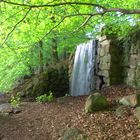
[
  {"x": 55, "y": 79},
  {"x": 131, "y": 100},
  {"x": 122, "y": 111},
  {"x": 73, "y": 134},
  {"x": 137, "y": 113},
  {"x": 6, "y": 108},
  {"x": 95, "y": 102},
  {"x": 105, "y": 42}
]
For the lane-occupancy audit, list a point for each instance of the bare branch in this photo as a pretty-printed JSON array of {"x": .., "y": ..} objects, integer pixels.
[
  {"x": 12, "y": 16},
  {"x": 55, "y": 5},
  {"x": 15, "y": 26},
  {"x": 55, "y": 26},
  {"x": 79, "y": 14},
  {"x": 84, "y": 23},
  {"x": 124, "y": 11}
]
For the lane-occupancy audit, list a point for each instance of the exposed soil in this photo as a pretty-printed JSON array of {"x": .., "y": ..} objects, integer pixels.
[{"x": 47, "y": 121}]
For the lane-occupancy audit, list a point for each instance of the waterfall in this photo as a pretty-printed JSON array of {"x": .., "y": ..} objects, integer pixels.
[{"x": 83, "y": 79}]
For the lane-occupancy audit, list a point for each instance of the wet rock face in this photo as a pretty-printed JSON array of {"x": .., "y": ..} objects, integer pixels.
[{"x": 55, "y": 79}]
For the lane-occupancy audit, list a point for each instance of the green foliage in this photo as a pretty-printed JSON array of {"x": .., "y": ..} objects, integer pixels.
[
  {"x": 13, "y": 65},
  {"x": 45, "y": 98},
  {"x": 15, "y": 100}
]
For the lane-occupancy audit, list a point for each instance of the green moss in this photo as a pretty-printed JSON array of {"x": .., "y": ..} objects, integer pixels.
[{"x": 95, "y": 102}]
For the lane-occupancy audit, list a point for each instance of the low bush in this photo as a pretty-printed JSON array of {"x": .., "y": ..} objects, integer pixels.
[{"x": 45, "y": 98}]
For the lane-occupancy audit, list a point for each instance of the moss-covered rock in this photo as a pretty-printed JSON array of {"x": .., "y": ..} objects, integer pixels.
[
  {"x": 54, "y": 79},
  {"x": 73, "y": 134},
  {"x": 95, "y": 102}
]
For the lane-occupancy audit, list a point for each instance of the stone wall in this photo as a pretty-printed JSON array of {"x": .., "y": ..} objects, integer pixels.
[
  {"x": 103, "y": 63},
  {"x": 118, "y": 63},
  {"x": 109, "y": 71},
  {"x": 131, "y": 60}
]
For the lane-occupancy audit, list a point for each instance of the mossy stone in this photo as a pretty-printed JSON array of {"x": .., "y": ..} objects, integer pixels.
[
  {"x": 73, "y": 134},
  {"x": 95, "y": 102}
]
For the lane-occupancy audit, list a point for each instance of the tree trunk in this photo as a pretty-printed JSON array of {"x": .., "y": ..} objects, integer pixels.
[
  {"x": 54, "y": 50},
  {"x": 54, "y": 44},
  {"x": 40, "y": 56}
]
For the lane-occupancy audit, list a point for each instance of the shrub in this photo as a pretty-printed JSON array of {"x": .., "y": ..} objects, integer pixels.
[
  {"x": 15, "y": 100},
  {"x": 45, "y": 98}
]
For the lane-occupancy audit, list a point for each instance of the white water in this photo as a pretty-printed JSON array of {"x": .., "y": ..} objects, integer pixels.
[{"x": 83, "y": 70}]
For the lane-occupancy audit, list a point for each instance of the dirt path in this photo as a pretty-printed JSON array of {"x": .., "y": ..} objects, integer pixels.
[{"x": 47, "y": 121}]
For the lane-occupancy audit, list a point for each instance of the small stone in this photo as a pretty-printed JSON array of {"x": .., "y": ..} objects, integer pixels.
[
  {"x": 73, "y": 134},
  {"x": 137, "y": 113},
  {"x": 6, "y": 108},
  {"x": 131, "y": 100},
  {"x": 122, "y": 111}
]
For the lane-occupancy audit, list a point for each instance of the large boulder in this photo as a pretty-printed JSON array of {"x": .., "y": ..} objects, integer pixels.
[
  {"x": 95, "y": 102},
  {"x": 73, "y": 134},
  {"x": 131, "y": 100}
]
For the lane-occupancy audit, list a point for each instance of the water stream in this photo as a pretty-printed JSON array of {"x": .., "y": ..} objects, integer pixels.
[{"x": 83, "y": 79}]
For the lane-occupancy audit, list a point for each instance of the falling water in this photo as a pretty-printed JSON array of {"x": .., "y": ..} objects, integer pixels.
[{"x": 83, "y": 70}]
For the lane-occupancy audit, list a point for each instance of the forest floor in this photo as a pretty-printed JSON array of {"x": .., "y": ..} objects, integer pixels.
[{"x": 47, "y": 121}]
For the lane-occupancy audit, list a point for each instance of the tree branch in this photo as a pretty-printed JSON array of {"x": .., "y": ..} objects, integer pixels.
[
  {"x": 55, "y": 5},
  {"x": 124, "y": 11},
  {"x": 84, "y": 23},
  {"x": 90, "y": 15},
  {"x": 74, "y": 15},
  {"x": 12, "y": 16},
  {"x": 15, "y": 26}
]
